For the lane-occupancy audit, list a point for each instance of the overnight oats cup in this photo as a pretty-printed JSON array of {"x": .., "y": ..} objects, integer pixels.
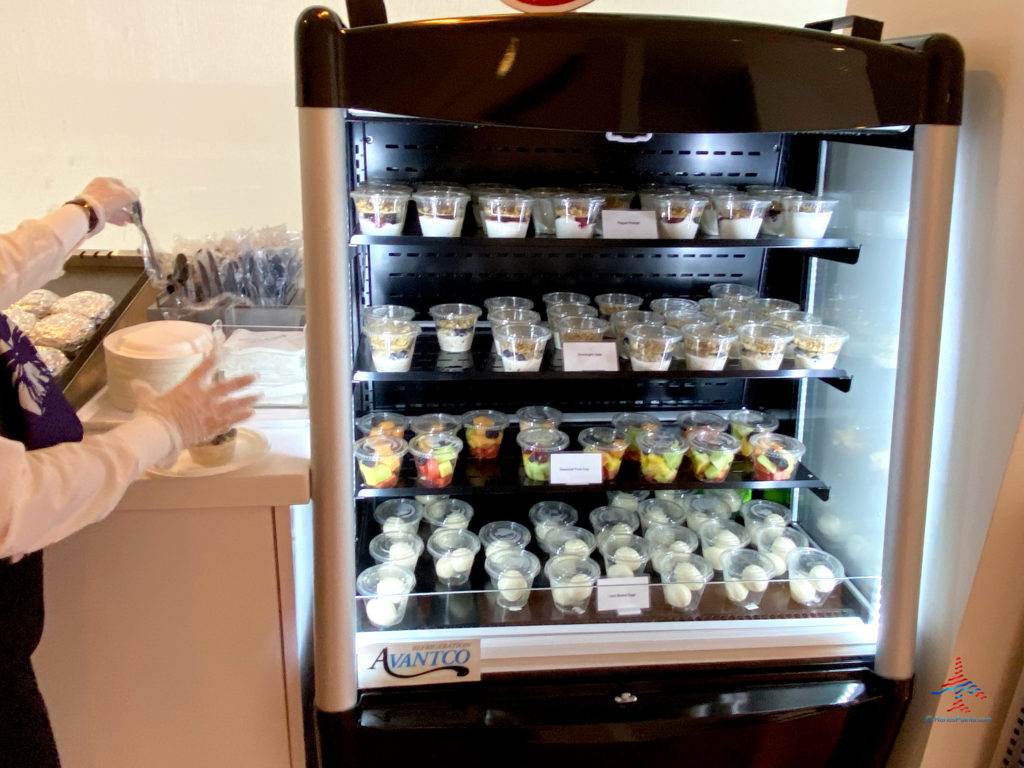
[
  {"x": 484, "y": 430},
  {"x": 435, "y": 457},
  {"x": 455, "y": 325},
  {"x": 747, "y": 576},
  {"x": 684, "y": 577},
  {"x": 544, "y": 209},
  {"x": 625, "y": 555},
  {"x": 453, "y": 550},
  {"x": 441, "y": 211},
  {"x": 807, "y": 216},
  {"x": 549, "y": 516},
  {"x": 651, "y": 346},
  {"x": 379, "y": 460},
  {"x": 711, "y": 454},
  {"x": 531, "y": 416},
  {"x": 736, "y": 295},
  {"x": 817, "y": 346},
  {"x": 764, "y": 308},
  {"x": 388, "y": 587},
  {"x": 380, "y": 210},
  {"x": 775, "y": 456},
  {"x": 502, "y": 317},
  {"x": 675, "y": 306},
  {"x": 512, "y": 572},
  {"x": 706, "y": 348},
  {"x": 392, "y": 343},
  {"x": 678, "y": 215},
  {"x": 813, "y": 574},
  {"x": 399, "y": 548},
  {"x": 554, "y": 298},
  {"x": 624, "y": 319},
  {"x": 572, "y": 581},
  {"x": 739, "y": 216},
  {"x": 380, "y": 423},
  {"x": 631, "y": 425},
  {"x": 610, "y": 303},
  {"x": 505, "y": 214},
  {"x": 576, "y": 216},
  {"x": 744, "y": 423},
  {"x": 577, "y": 328},
  {"x": 537, "y": 446},
  {"x": 661, "y": 453},
  {"x": 763, "y": 346},
  {"x": 607, "y": 442},
  {"x": 521, "y": 346}
]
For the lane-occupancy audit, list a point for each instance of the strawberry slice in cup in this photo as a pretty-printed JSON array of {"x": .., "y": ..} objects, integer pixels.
[{"x": 775, "y": 456}]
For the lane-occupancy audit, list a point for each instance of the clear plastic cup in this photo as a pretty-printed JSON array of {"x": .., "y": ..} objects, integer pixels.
[
  {"x": 665, "y": 539},
  {"x": 486, "y": 188},
  {"x": 703, "y": 507},
  {"x": 425, "y": 187},
  {"x": 660, "y": 511},
  {"x": 571, "y": 540},
  {"x": 537, "y": 446},
  {"x": 651, "y": 346},
  {"x": 380, "y": 423},
  {"x": 501, "y": 535},
  {"x": 512, "y": 572},
  {"x": 686, "y": 321},
  {"x": 388, "y": 587},
  {"x": 455, "y": 325},
  {"x": 631, "y": 425},
  {"x": 709, "y": 219},
  {"x": 706, "y": 348},
  {"x": 734, "y": 319},
  {"x": 399, "y": 516},
  {"x": 711, "y": 306},
  {"x": 773, "y": 217},
  {"x": 441, "y": 211},
  {"x": 677, "y": 305},
  {"x": 544, "y": 209},
  {"x": 760, "y": 513},
  {"x": 573, "y": 328},
  {"x": 435, "y": 457},
  {"x": 627, "y": 499},
  {"x": 718, "y": 536},
  {"x": 453, "y": 550},
  {"x": 684, "y": 577},
  {"x": 379, "y": 460},
  {"x": 554, "y": 298},
  {"x": 445, "y": 512},
  {"x": 609, "y": 443},
  {"x": 610, "y": 303},
  {"x": 661, "y": 454},
  {"x": 813, "y": 574},
  {"x": 547, "y": 516},
  {"x": 790, "y": 320},
  {"x": 625, "y": 555},
  {"x": 730, "y": 496},
  {"x": 521, "y": 346},
  {"x": 711, "y": 454},
  {"x": 649, "y": 190},
  {"x": 736, "y": 295},
  {"x": 399, "y": 548},
  {"x": 624, "y": 319},
  {"x": 691, "y": 420},
  {"x": 392, "y": 343},
  {"x": 611, "y": 520},
  {"x": 674, "y": 494},
  {"x": 505, "y": 214},
  {"x": 615, "y": 197},
  {"x": 775, "y": 456},
  {"x": 678, "y": 215},
  {"x": 531, "y": 416},
  {"x": 374, "y": 314},
  {"x": 572, "y": 581},
  {"x": 744, "y": 423},
  {"x": 503, "y": 317},
  {"x": 506, "y": 302},
  {"x": 739, "y": 216},
  {"x": 817, "y": 346},
  {"x": 764, "y": 308},
  {"x": 380, "y": 211},
  {"x": 777, "y": 542},
  {"x": 435, "y": 423},
  {"x": 747, "y": 574},
  {"x": 556, "y": 312},
  {"x": 576, "y": 215},
  {"x": 807, "y": 216},
  {"x": 484, "y": 430}
]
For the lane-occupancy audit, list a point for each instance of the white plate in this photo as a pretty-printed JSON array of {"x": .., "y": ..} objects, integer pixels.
[{"x": 250, "y": 447}]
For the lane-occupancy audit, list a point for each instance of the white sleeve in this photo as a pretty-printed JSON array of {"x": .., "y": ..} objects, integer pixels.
[
  {"x": 52, "y": 492},
  {"x": 34, "y": 253}
]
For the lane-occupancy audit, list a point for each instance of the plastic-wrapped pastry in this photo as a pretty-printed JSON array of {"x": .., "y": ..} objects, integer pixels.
[
  {"x": 38, "y": 302},
  {"x": 55, "y": 360},
  {"x": 22, "y": 318},
  {"x": 64, "y": 330},
  {"x": 95, "y": 306}
]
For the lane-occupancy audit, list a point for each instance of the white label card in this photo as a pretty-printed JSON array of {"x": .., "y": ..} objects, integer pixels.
[
  {"x": 589, "y": 356},
  {"x": 625, "y": 595},
  {"x": 575, "y": 468},
  {"x": 629, "y": 224},
  {"x": 384, "y": 665}
]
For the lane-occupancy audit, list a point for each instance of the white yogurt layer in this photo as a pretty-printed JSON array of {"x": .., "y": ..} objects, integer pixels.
[
  {"x": 700, "y": 363},
  {"x": 643, "y": 365},
  {"x": 821, "y": 361},
  {"x": 438, "y": 226},
  {"x": 512, "y": 365},
  {"x": 368, "y": 227},
  {"x": 455, "y": 341},
  {"x": 680, "y": 230},
  {"x": 759, "y": 363},
  {"x": 739, "y": 229},
  {"x": 495, "y": 228},
  {"x": 800, "y": 224},
  {"x": 386, "y": 364},
  {"x": 570, "y": 228}
]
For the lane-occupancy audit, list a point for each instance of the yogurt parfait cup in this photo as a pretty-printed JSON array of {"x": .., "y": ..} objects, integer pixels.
[
  {"x": 764, "y": 308},
  {"x": 807, "y": 216},
  {"x": 609, "y": 443},
  {"x": 666, "y": 539},
  {"x": 505, "y": 214},
  {"x": 453, "y": 550},
  {"x": 674, "y": 305},
  {"x": 503, "y": 317},
  {"x": 706, "y": 348},
  {"x": 399, "y": 516},
  {"x": 547, "y": 516},
  {"x": 703, "y": 507},
  {"x": 571, "y": 540},
  {"x": 813, "y": 574},
  {"x": 631, "y": 425},
  {"x": 711, "y": 454},
  {"x": 660, "y": 511},
  {"x": 625, "y": 319},
  {"x": 455, "y": 325},
  {"x": 613, "y": 521},
  {"x": 399, "y": 548},
  {"x": 441, "y": 211},
  {"x": 775, "y": 456},
  {"x": 537, "y": 445},
  {"x": 544, "y": 208},
  {"x": 625, "y": 555},
  {"x": 435, "y": 423},
  {"x": 683, "y": 578},
  {"x": 486, "y": 188},
  {"x": 773, "y": 216},
  {"x": 392, "y": 343},
  {"x": 615, "y": 197},
  {"x": 747, "y": 575},
  {"x": 610, "y": 303},
  {"x": 762, "y": 513},
  {"x": 575, "y": 328},
  {"x": 651, "y": 346},
  {"x": 688, "y": 421},
  {"x": 435, "y": 458},
  {"x": 572, "y": 581},
  {"x": 512, "y": 572},
  {"x": 576, "y": 216},
  {"x": 379, "y": 423},
  {"x": 709, "y": 220},
  {"x": 532, "y": 416},
  {"x": 521, "y": 346},
  {"x": 790, "y": 320},
  {"x": 445, "y": 512},
  {"x": 739, "y": 216},
  {"x": 506, "y": 302},
  {"x": 678, "y": 215},
  {"x": 683, "y": 321},
  {"x": 661, "y": 454},
  {"x": 387, "y": 586},
  {"x": 718, "y": 536},
  {"x": 500, "y": 535},
  {"x": 380, "y": 211},
  {"x": 777, "y": 542},
  {"x": 817, "y": 346},
  {"x": 484, "y": 430},
  {"x": 649, "y": 190},
  {"x": 379, "y": 312},
  {"x": 379, "y": 460},
  {"x": 744, "y": 423}
]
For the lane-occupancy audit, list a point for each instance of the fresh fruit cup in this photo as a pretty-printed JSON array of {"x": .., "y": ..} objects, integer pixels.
[
  {"x": 607, "y": 442},
  {"x": 777, "y": 542},
  {"x": 571, "y": 540},
  {"x": 399, "y": 516},
  {"x": 533, "y": 416},
  {"x": 744, "y": 423},
  {"x": 762, "y": 346},
  {"x": 739, "y": 216},
  {"x": 505, "y": 214},
  {"x": 661, "y": 453},
  {"x": 392, "y": 343},
  {"x": 548, "y": 516},
  {"x": 775, "y": 456},
  {"x": 674, "y": 304},
  {"x": 434, "y": 423},
  {"x": 703, "y": 507},
  {"x": 660, "y": 512},
  {"x": 485, "y": 188},
  {"x": 706, "y": 348},
  {"x": 435, "y": 457},
  {"x": 521, "y": 346},
  {"x": 573, "y": 328},
  {"x": 678, "y": 215},
  {"x": 537, "y": 446},
  {"x": 453, "y": 550},
  {"x": 630, "y": 500},
  {"x": 375, "y": 314},
  {"x": 747, "y": 575},
  {"x": 813, "y": 574},
  {"x": 687, "y": 421},
  {"x": 399, "y": 548},
  {"x": 651, "y": 346},
  {"x": 380, "y": 423},
  {"x": 613, "y": 521},
  {"x": 817, "y": 346},
  {"x": 455, "y": 325},
  {"x": 557, "y": 312},
  {"x": 610, "y": 303},
  {"x": 380, "y": 211},
  {"x": 380, "y": 459},
  {"x": 512, "y": 572},
  {"x": 572, "y": 581},
  {"x": 500, "y": 535},
  {"x": 684, "y": 577},
  {"x": 576, "y": 215},
  {"x": 711, "y": 454},
  {"x": 387, "y": 586},
  {"x": 773, "y": 216},
  {"x": 445, "y": 512},
  {"x": 544, "y": 208},
  {"x": 506, "y": 302},
  {"x": 764, "y": 308},
  {"x": 665, "y": 539},
  {"x": 441, "y": 211},
  {"x": 631, "y": 425},
  {"x": 484, "y": 430},
  {"x": 625, "y": 555},
  {"x": 624, "y": 319},
  {"x": 763, "y": 513},
  {"x": 807, "y": 216},
  {"x": 649, "y": 190}
]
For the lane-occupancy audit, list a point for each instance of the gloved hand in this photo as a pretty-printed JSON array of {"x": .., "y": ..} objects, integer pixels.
[
  {"x": 197, "y": 409},
  {"x": 110, "y": 198}
]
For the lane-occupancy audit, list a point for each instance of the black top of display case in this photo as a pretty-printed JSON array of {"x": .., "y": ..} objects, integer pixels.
[{"x": 627, "y": 73}]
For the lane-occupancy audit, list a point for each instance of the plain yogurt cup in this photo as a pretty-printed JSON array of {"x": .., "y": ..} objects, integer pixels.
[
  {"x": 739, "y": 216},
  {"x": 817, "y": 346},
  {"x": 706, "y": 348},
  {"x": 399, "y": 548},
  {"x": 678, "y": 215},
  {"x": 387, "y": 586},
  {"x": 398, "y": 516},
  {"x": 392, "y": 343},
  {"x": 380, "y": 211},
  {"x": 813, "y": 574},
  {"x": 455, "y": 324},
  {"x": 441, "y": 211},
  {"x": 747, "y": 573},
  {"x": 711, "y": 454},
  {"x": 777, "y": 542},
  {"x": 684, "y": 577},
  {"x": 521, "y": 346},
  {"x": 807, "y": 216},
  {"x": 572, "y": 581},
  {"x": 576, "y": 216},
  {"x": 546, "y": 516},
  {"x": 651, "y": 346},
  {"x": 537, "y": 445},
  {"x": 501, "y": 535},
  {"x": 625, "y": 555},
  {"x": 625, "y": 319},
  {"x": 505, "y": 214},
  {"x": 453, "y": 550},
  {"x": 512, "y": 572}
]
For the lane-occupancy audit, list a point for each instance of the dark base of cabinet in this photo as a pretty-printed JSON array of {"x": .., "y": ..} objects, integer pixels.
[{"x": 827, "y": 716}]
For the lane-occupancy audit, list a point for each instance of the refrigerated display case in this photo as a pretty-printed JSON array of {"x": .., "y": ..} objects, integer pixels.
[{"x": 574, "y": 99}]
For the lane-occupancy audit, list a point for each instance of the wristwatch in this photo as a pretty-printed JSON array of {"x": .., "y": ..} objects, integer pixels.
[{"x": 94, "y": 218}]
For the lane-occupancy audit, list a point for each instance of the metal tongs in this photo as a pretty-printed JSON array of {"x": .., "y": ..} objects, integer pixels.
[{"x": 147, "y": 251}]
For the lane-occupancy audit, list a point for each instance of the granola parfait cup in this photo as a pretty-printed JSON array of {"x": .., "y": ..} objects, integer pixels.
[
  {"x": 615, "y": 197},
  {"x": 576, "y": 215},
  {"x": 571, "y": 540},
  {"x": 505, "y": 214},
  {"x": 764, "y": 513},
  {"x": 684, "y": 577},
  {"x": 651, "y": 346},
  {"x": 607, "y": 442},
  {"x": 762, "y": 346},
  {"x": 625, "y": 319},
  {"x": 392, "y": 343},
  {"x": 817, "y": 346},
  {"x": 666, "y": 539},
  {"x": 632, "y": 425},
  {"x": 501, "y": 535},
  {"x": 455, "y": 324},
  {"x": 709, "y": 219},
  {"x": 706, "y": 349},
  {"x": 379, "y": 460},
  {"x": 435, "y": 457},
  {"x": 610, "y": 303},
  {"x": 387, "y": 586},
  {"x": 555, "y": 298},
  {"x": 747, "y": 574},
  {"x": 375, "y": 314},
  {"x": 521, "y": 346},
  {"x": 674, "y": 305},
  {"x": 435, "y": 423},
  {"x": 661, "y": 454},
  {"x": 789, "y": 320},
  {"x": 441, "y": 211},
  {"x": 572, "y": 581},
  {"x": 557, "y": 311},
  {"x": 613, "y": 521},
  {"x": 544, "y": 207},
  {"x": 765, "y": 308},
  {"x": 399, "y": 548},
  {"x": 486, "y": 188},
  {"x": 648, "y": 191},
  {"x": 711, "y": 454},
  {"x": 547, "y": 517},
  {"x": 813, "y": 574},
  {"x": 379, "y": 423},
  {"x": 739, "y": 216},
  {"x": 775, "y": 456},
  {"x": 682, "y": 320},
  {"x": 501, "y": 317},
  {"x": 660, "y": 511},
  {"x": 678, "y": 215},
  {"x": 531, "y": 416},
  {"x": 537, "y": 445},
  {"x": 718, "y": 536},
  {"x": 453, "y": 550},
  {"x": 736, "y": 295},
  {"x": 512, "y": 572},
  {"x": 399, "y": 516},
  {"x": 710, "y": 307},
  {"x": 380, "y": 210},
  {"x": 484, "y": 430},
  {"x": 577, "y": 328},
  {"x": 777, "y": 542},
  {"x": 807, "y": 216},
  {"x": 625, "y": 555},
  {"x": 506, "y": 302}
]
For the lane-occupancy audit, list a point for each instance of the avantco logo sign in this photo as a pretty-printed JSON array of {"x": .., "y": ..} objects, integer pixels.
[
  {"x": 397, "y": 664},
  {"x": 545, "y": 6}
]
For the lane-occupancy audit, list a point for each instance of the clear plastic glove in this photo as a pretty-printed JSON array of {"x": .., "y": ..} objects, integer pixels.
[
  {"x": 111, "y": 200},
  {"x": 198, "y": 408}
]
